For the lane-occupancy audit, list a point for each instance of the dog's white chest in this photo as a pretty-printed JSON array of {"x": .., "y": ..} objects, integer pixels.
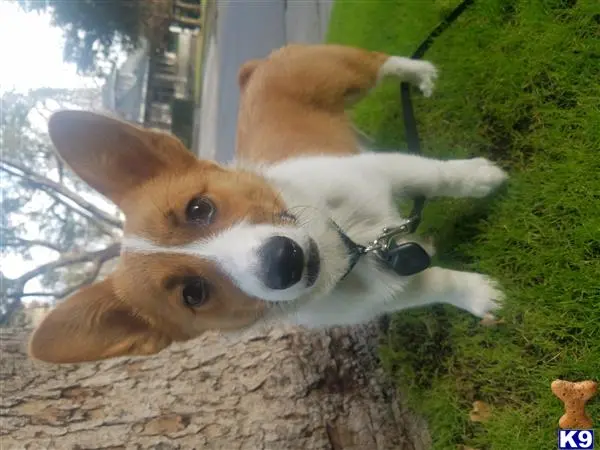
[
  {"x": 362, "y": 296},
  {"x": 362, "y": 205}
]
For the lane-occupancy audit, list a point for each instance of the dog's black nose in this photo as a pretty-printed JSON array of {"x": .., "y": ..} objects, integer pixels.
[{"x": 282, "y": 262}]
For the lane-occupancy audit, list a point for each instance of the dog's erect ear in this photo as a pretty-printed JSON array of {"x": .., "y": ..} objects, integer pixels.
[
  {"x": 91, "y": 325},
  {"x": 113, "y": 156}
]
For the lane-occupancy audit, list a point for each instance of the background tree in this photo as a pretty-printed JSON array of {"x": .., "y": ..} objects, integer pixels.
[
  {"x": 95, "y": 30},
  {"x": 47, "y": 212}
]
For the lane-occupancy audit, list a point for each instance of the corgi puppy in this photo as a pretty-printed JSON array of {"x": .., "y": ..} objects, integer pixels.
[{"x": 266, "y": 240}]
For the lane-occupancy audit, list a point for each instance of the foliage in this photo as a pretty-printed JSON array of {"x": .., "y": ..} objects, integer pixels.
[
  {"x": 515, "y": 85},
  {"x": 47, "y": 212},
  {"x": 93, "y": 28}
]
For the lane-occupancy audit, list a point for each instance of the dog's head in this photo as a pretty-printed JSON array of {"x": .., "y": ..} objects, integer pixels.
[{"x": 204, "y": 247}]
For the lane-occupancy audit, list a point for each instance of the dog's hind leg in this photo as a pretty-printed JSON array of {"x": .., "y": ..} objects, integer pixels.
[
  {"x": 334, "y": 76},
  {"x": 420, "y": 73}
]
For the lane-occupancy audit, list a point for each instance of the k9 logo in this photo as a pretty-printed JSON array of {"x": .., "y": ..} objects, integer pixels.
[{"x": 575, "y": 439}]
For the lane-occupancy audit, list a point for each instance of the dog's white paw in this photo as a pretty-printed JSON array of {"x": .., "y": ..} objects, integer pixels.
[
  {"x": 426, "y": 74},
  {"x": 483, "y": 295},
  {"x": 481, "y": 177},
  {"x": 420, "y": 73}
]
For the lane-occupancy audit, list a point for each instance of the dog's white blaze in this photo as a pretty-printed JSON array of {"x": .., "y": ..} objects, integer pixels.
[{"x": 236, "y": 252}]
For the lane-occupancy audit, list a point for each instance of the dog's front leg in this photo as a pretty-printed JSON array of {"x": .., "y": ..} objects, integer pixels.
[
  {"x": 472, "y": 292},
  {"x": 411, "y": 175}
]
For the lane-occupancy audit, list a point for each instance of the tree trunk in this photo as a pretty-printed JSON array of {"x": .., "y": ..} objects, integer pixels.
[{"x": 277, "y": 391}]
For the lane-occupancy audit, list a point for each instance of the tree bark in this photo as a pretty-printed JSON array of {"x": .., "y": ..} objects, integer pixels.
[{"x": 282, "y": 390}]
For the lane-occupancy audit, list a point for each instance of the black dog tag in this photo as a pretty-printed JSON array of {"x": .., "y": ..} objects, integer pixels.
[{"x": 407, "y": 259}]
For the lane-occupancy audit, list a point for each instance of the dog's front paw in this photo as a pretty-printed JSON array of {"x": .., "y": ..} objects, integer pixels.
[
  {"x": 483, "y": 295},
  {"x": 481, "y": 177}
]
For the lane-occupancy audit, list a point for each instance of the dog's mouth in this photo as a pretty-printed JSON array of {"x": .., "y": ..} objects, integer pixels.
[
  {"x": 313, "y": 264},
  {"x": 353, "y": 249}
]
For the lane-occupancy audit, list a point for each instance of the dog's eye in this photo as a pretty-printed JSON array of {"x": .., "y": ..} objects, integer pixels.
[
  {"x": 200, "y": 210},
  {"x": 195, "y": 292}
]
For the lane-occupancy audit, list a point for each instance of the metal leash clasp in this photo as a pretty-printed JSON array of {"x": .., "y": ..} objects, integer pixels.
[
  {"x": 405, "y": 259},
  {"x": 386, "y": 240}
]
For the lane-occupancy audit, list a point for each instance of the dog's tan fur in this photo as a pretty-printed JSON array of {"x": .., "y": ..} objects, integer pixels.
[{"x": 293, "y": 103}]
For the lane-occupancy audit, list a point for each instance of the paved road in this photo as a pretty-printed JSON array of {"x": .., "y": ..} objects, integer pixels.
[{"x": 244, "y": 30}]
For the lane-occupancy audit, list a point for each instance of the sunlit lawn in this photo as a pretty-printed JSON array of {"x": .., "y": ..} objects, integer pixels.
[{"x": 520, "y": 84}]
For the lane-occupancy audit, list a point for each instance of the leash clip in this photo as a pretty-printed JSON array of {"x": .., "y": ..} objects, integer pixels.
[
  {"x": 404, "y": 259},
  {"x": 387, "y": 238}
]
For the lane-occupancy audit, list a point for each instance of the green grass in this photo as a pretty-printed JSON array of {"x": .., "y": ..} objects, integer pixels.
[{"x": 520, "y": 84}]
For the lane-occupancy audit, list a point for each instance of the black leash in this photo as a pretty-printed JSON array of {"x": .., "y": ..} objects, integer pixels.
[
  {"x": 407, "y": 258},
  {"x": 410, "y": 124}
]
